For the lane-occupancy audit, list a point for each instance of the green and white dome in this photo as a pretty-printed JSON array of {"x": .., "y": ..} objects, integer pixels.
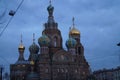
[
  {"x": 71, "y": 43},
  {"x": 44, "y": 40}
]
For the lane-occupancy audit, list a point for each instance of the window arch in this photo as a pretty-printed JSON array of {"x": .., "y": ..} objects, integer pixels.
[
  {"x": 55, "y": 41},
  {"x": 79, "y": 50}
]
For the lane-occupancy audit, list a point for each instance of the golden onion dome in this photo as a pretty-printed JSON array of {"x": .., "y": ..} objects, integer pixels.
[
  {"x": 21, "y": 47},
  {"x": 74, "y": 31}
]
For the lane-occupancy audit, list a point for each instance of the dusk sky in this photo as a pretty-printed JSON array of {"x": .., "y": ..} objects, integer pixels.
[{"x": 97, "y": 20}]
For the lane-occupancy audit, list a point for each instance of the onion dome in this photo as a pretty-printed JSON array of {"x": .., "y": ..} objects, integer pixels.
[
  {"x": 44, "y": 40},
  {"x": 71, "y": 43},
  {"x": 74, "y": 30},
  {"x": 21, "y": 47},
  {"x": 34, "y": 47}
]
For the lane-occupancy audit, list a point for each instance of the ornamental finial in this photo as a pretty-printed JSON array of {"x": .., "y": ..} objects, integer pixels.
[
  {"x": 21, "y": 39},
  {"x": 33, "y": 37},
  {"x": 50, "y": 9},
  {"x": 21, "y": 46},
  {"x": 73, "y": 20}
]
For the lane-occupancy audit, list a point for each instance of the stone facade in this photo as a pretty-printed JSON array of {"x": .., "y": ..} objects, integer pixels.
[
  {"x": 107, "y": 74},
  {"x": 50, "y": 61}
]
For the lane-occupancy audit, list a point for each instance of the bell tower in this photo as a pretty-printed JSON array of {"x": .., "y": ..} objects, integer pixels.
[{"x": 52, "y": 31}]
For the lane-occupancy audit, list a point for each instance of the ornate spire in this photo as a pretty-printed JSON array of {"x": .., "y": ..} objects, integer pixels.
[
  {"x": 21, "y": 38},
  {"x": 21, "y": 46},
  {"x": 21, "y": 49},
  {"x": 50, "y": 9},
  {"x": 21, "y": 42},
  {"x": 33, "y": 37},
  {"x": 73, "y": 21}
]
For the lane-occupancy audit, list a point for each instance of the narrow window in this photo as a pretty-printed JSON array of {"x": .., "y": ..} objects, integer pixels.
[
  {"x": 79, "y": 50},
  {"x": 55, "y": 41}
]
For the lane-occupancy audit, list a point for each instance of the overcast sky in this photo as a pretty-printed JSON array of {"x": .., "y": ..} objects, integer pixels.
[{"x": 97, "y": 20}]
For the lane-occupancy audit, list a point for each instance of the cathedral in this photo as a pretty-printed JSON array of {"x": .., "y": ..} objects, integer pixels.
[{"x": 49, "y": 60}]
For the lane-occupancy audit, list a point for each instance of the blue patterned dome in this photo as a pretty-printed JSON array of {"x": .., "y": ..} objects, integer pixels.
[
  {"x": 34, "y": 48},
  {"x": 71, "y": 43},
  {"x": 44, "y": 40}
]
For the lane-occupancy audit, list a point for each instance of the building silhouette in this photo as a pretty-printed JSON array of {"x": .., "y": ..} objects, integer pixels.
[
  {"x": 107, "y": 74},
  {"x": 50, "y": 61}
]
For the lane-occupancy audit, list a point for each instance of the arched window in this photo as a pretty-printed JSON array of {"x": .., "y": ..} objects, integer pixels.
[
  {"x": 79, "y": 50},
  {"x": 55, "y": 41}
]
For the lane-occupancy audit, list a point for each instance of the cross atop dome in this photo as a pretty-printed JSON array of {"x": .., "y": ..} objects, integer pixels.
[
  {"x": 33, "y": 37},
  {"x": 73, "y": 20},
  {"x": 21, "y": 39}
]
